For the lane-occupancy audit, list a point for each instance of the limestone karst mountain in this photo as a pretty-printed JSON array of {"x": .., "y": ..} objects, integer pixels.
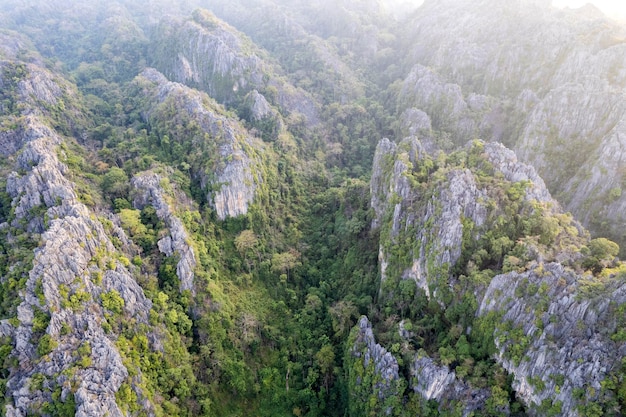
[
  {"x": 548, "y": 83},
  {"x": 291, "y": 208}
]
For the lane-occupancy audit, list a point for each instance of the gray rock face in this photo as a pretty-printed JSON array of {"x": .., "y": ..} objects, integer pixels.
[
  {"x": 416, "y": 122},
  {"x": 12, "y": 43},
  {"x": 436, "y": 219},
  {"x": 234, "y": 177},
  {"x": 554, "y": 326},
  {"x": 567, "y": 332},
  {"x": 259, "y": 107},
  {"x": 384, "y": 363},
  {"x": 555, "y": 81},
  {"x": 380, "y": 184},
  {"x": 206, "y": 53},
  {"x": 150, "y": 192},
  {"x": 373, "y": 355},
  {"x": 310, "y": 24},
  {"x": 450, "y": 110},
  {"x": 63, "y": 267},
  {"x": 431, "y": 379},
  {"x": 505, "y": 161},
  {"x": 45, "y": 184},
  {"x": 66, "y": 282},
  {"x": 438, "y": 382},
  {"x": 573, "y": 335}
]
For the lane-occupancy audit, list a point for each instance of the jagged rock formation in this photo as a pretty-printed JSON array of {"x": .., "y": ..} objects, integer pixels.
[
  {"x": 67, "y": 284},
  {"x": 272, "y": 24},
  {"x": 482, "y": 272},
  {"x": 373, "y": 371},
  {"x": 149, "y": 191},
  {"x": 437, "y": 247},
  {"x": 230, "y": 171},
  {"x": 58, "y": 335},
  {"x": 438, "y": 382},
  {"x": 556, "y": 84},
  {"x": 556, "y": 333},
  {"x": 445, "y": 103},
  {"x": 437, "y": 218},
  {"x": 206, "y": 53},
  {"x": 553, "y": 324}
]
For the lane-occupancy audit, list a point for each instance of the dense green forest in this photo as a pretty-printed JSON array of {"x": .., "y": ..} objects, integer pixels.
[{"x": 199, "y": 217}]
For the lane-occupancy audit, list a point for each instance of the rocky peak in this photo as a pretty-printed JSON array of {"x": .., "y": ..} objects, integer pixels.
[
  {"x": 553, "y": 324},
  {"x": 438, "y": 382},
  {"x": 45, "y": 184},
  {"x": 567, "y": 333},
  {"x": 230, "y": 173},
  {"x": 206, "y": 53},
  {"x": 61, "y": 317},
  {"x": 505, "y": 161},
  {"x": 148, "y": 190},
  {"x": 432, "y": 219},
  {"x": 62, "y": 285},
  {"x": 449, "y": 109},
  {"x": 368, "y": 355},
  {"x": 555, "y": 84}
]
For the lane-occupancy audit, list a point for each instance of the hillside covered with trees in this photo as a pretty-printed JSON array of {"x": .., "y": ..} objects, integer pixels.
[{"x": 292, "y": 208}]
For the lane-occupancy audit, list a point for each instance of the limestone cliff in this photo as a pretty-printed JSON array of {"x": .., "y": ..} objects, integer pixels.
[
  {"x": 64, "y": 329},
  {"x": 462, "y": 117},
  {"x": 313, "y": 30},
  {"x": 555, "y": 325},
  {"x": 432, "y": 218},
  {"x": 62, "y": 309},
  {"x": 554, "y": 83},
  {"x": 222, "y": 154},
  {"x": 206, "y": 53},
  {"x": 373, "y": 373},
  {"x": 148, "y": 190},
  {"x": 438, "y": 382},
  {"x": 556, "y": 334}
]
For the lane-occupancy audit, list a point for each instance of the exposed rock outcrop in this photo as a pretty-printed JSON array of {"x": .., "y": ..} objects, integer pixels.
[
  {"x": 149, "y": 191},
  {"x": 505, "y": 162},
  {"x": 450, "y": 111},
  {"x": 555, "y": 325},
  {"x": 306, "y": 27},
  {"x": 206, "y": 53},
  {"x": 554, "y": 333},
  {"x": 379, "y": 370},
  {"x": 435, "y": 217},
  {"x": 230, "y": 171},
  {"x": 59, "y": 339},
  {"x": 438, "y": 382},
  {"x": 63, "y": 284},
  {"x": 555, "y": 81}
]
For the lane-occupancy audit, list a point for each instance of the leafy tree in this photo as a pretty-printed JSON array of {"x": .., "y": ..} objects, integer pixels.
[
  {"x": 246, "y": 242},
  {"x": 344, "y": 315},
  {"x": 286, "y": 261},
  {"x": 115, "y": 182},
  {"x": 325, "y": 359}
]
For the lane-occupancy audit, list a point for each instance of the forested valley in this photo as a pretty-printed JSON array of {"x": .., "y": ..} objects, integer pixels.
[{"x": 330, "y": 208}]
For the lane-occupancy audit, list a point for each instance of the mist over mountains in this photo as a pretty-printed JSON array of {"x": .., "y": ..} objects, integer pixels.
[{"x": 293, "y": 208}]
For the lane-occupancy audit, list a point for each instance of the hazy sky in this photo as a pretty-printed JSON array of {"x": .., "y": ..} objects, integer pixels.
[{"x": 612, "y": 8}]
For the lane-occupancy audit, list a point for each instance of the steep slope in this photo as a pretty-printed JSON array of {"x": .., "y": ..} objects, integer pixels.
[
  {"x": 478, "y": 232},
  {"x": 76, "y": 285},
  {"x": 206, "y": 53},
  {"x": 220, "y": 152},
  {"x": 556, "y": 84},
  {"x": 197, "y": 239},
  {"x": 147, "y": 188},
  {"x": 292, "y": 33}
]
